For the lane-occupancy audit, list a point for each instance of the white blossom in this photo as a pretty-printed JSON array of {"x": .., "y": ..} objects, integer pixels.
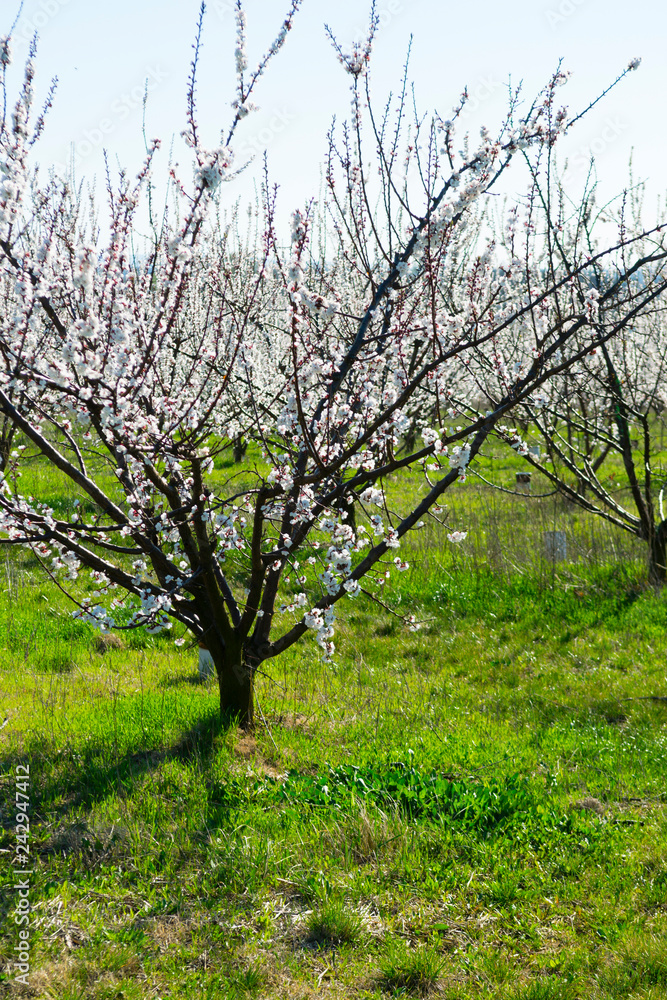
[{"x": 456, "y": 537}]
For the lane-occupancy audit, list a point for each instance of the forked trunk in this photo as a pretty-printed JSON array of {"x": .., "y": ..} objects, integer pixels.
[{"x": 236, "y": 684}]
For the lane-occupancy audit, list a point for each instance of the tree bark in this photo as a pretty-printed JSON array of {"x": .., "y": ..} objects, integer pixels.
[
  {"x": 7, "y": 432},
  {"x": 236, "y": 683},
  {"x": 235, "y": 680},
  {"x": 658, "y": 555},
  {"x": 239, "y": 448}
]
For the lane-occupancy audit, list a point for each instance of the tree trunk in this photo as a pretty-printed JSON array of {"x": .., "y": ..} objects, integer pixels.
[
  {"x": 7, "y": 432},
  {"x": 658, "y": 555},
  {"x": 236, "y": 684},
  {"x": 239, "y": 447},
  {"x": 410, "y": 439}
]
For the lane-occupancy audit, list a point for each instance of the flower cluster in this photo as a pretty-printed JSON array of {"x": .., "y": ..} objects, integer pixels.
[
  {"x": 456, "y": 537},
  {"x": 213, "y": 168},
  {"x": 459, "y": 458},
  {"x": 5, "y": 51},
  {"x": 320, "y": 620}
]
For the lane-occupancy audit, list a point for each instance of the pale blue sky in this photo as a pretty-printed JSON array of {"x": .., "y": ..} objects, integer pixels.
[{"x": 103, "y": 51}]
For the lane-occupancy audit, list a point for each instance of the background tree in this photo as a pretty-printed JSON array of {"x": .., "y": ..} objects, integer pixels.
[
  {"x": 600, "y": 423},
  {"x": 138, "y": 371}
]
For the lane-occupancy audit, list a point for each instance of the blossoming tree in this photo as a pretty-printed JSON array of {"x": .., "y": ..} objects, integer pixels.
[
  {"x": 586, "y": 416},
  {"x": 132, "y": 373},
  {"x": 602, "y": 432}
]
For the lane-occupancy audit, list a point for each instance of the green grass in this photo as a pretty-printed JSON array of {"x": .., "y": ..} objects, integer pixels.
[
  {"x": 473, "y": 810},
  {"x": 332, "y": 923},
  {"x": 410, "y": 972}
]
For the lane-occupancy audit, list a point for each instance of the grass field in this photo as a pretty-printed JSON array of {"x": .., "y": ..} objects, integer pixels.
[{"x": 476, "y": 809}]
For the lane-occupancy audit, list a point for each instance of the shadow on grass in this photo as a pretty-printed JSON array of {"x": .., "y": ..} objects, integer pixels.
[
  {"x": 192, "y": 681},
  {"x": 66, "y": 779},
  {"x": 612, "y": 711}
]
